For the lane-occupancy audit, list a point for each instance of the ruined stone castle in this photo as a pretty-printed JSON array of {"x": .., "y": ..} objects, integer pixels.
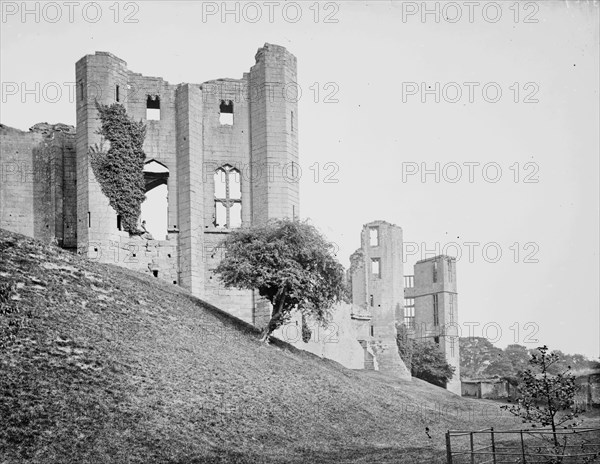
[{"x": 212, "y": 147}]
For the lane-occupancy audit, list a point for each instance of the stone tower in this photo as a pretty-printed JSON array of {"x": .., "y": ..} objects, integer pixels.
[
  {"x": 228, "y": 154},
  {"x": 377, "y": 288},
  {"x": 432, "y": 300}
]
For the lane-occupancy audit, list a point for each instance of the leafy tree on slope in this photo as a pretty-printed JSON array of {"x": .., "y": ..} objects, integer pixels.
[{"x": 290, "y": 264}]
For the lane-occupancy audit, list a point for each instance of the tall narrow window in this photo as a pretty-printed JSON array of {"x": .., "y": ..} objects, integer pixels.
[
  {"x": 119, "y": 225},
  {"x": 451, "y": 303},
  {"x": 376, "y": 267},
  {"x": 228, "y": 198},
  {"x": 226, "y": 113},
  {"x": 155, "y": 209},
  {"x": 372, "y": 331},
  {"x": 292, "y": 121},
  {"x": 436, "y": 312},
  {"x": 374, "y": 236},
  {"x": 450, "y": 271},
  {"x": 435, "y": 271},
  {"x": 409, "y": 313},
  {"x": 153, "y": 108},
  {"x": 81, "y": 91},
  {"x": 371, "y": 300},
  {"x": 117, "y": 93}
]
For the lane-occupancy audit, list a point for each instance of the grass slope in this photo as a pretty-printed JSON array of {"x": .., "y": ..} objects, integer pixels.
[{"x": 112, "y": 366}]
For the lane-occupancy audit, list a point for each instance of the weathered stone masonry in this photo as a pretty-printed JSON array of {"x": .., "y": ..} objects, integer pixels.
[
  {"x": 38, "y": 182},
  {"x": 229, "y": 149},
  {"x": 383, "y": 297},
  {"x": 200, "y": 133},
  {"x": 191, "y": 141}
]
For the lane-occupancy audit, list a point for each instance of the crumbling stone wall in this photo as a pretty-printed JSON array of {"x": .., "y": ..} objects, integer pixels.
[
  {"x": 16, "y": 179},
  {"x": 191, "y": 141},
  {"x": 378, "y": 296},
  {"x": 49, "y": 190},
  {"x": 37, "y": 192}
]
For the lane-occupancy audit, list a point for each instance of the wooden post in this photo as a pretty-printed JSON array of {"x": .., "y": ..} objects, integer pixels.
[
  {"x": 448, "y": 448},
  {"x": 472, "y": 449},
  {"x": 493, "y": 446},
  {"x": 523, "y": 448}
]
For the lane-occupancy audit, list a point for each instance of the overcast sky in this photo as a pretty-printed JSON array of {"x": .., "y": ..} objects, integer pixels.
[{"x": 517, "y": 113}]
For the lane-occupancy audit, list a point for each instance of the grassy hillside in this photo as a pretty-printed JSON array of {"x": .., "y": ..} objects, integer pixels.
[{"x": 101, "y": 364}]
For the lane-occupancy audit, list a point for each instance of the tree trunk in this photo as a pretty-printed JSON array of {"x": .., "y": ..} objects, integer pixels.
[{"x": 276, "y": 317}]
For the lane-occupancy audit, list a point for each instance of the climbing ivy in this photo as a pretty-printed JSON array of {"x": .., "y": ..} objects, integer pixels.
[{"x": 120, "y": 170}]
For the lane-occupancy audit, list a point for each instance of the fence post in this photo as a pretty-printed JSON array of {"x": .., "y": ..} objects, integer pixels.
[
  {"x": 472, "y": 450},
  {"x": 523, "y": 448},
  {"x": 448, "y": 448},
  {"x": 493, "y": 446}
]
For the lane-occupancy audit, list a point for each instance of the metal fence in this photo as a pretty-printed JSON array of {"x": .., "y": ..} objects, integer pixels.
[{"x": 576, "y": 445}]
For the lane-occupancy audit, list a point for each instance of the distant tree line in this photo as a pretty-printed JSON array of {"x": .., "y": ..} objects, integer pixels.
[{"x": 480, "y": 359}]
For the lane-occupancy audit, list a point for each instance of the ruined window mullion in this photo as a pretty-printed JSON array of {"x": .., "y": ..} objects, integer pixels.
[{"x": 227, "y": 204}]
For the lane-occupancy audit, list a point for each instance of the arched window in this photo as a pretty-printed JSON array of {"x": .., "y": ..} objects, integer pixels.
[
  {"x": 228, "y": 197},
  {"x": 154, "y": 209}
]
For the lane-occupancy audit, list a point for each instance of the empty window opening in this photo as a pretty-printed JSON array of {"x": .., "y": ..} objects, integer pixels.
[
  {"x": 436, "y": 312},
  {"x": 220, "y": 215},
  {"x": 235, "y": 215},
  {"x": 89, "y": 219},
  {"x": 436, "y": 339},
  {"x": 119, "y": 224},
  {"x": 156, "y": 205},
  {"x": 376, "y": 267},
  {"x": 371, "y": 300},
  {"x": 372, "y": 332},
  {"x": 117, "y": 93},
  {"x": 409, "y": 313},
  {"x": 374, "y": 236},
  {"x": 226, "y": 113},
  {"x": 175, "y": 282},
  {"x": 228, "y": 197},
  {"x": 81, "y": 91},
  {"x": 235, "y": 185},
  {"x": 435, "y": 271},
  {"x": 155, "y": 273},
  {"x": 153, "y": 108}
]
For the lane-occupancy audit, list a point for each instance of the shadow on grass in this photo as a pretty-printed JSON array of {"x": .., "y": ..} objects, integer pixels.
[{"x": 367, "y": 455}]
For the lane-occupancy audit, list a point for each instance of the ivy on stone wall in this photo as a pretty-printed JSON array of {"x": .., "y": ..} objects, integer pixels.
[{"x": 120, "y": 169}]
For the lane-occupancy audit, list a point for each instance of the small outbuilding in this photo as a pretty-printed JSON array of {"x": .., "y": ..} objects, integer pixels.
[{"x": 494, "y": 388}]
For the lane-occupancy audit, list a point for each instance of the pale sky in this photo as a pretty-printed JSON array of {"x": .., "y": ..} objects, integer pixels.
[{"x": 370, "y": 122}]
